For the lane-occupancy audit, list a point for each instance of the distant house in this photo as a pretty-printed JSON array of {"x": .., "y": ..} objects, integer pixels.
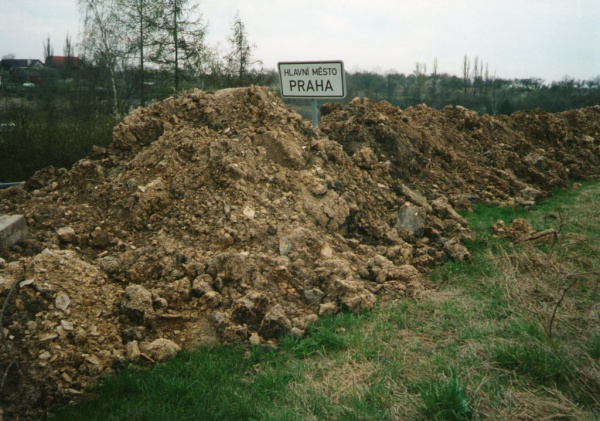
[
  {"x": 62, "y": 62},
  {"x": 23, "y": 70},
  {"x": 21, "y": 63}
]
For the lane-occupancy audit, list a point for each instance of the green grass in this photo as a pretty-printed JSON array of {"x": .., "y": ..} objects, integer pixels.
[
  {"x": 513, "y": 334},
  {"x": 443, "y": 399},
  {"x": 218, "y": 384},
  {"x": 594, "y": 347},
  {"x": 532, "y": 360}
]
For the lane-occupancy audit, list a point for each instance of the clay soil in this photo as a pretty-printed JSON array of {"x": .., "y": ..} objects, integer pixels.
[{"x": 224, "y": 218}]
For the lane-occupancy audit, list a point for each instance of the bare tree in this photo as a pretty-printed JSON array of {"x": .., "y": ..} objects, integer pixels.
[
  {"x": 494, "y": 97},
  {"x": 69, "y": 53},
  {"x": 68, "y": 48},
  {"x": 48, "y": 50},
  {"x": 140, "y": 18},
  {"x": 466, "y": 71},
  {"x": 487, "y": 79},
  {"x": 180, "y": 37},
  {"x": 421, "y": 77},
  {"x": 434, "y": 82},
  {"x": 103, "y": 40}
]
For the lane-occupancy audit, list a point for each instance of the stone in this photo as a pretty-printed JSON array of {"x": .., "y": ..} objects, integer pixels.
[
  {"x": 48, "y": 337},
  {"x": 160, "y": 349},
  {"x": 178, "y": 291},
  {"x": 160, "y": 303},
  {"x": 285, "y": 246},
  {"x": 329, "y": 308},
  {"x": 99, "y": 238},
  {"x": 249, "y": 212},
  {"x": 212, "y": 299},
  {"x": 296, "y": 332},
  {"x": 62, "y": 301},
  {"x": 110, "y": 264},
  {"x": 445, "y": 210},
  {"x": 132, "y": 350},
  {"x": 202, "y": 285},
  {"x": 411, "y": 221},
  {"x": 66, "y": 235},
  {"x": 80, "y": 336},
  {"x": 414, "y": 197},
  {"x": 250, "y": 309},
  {"x": 313, "y": 296},
  {"x": 354, "y": 295},
  {"x": 26, "y": 282},
  {"x": 13, "y": 228},
  {"x": 254, "y": 339},
  {"x": 531, "y": 194},
  {"x": 66, "y": 325},
  {"x": 275, "y": 323},
  {"x": 456, "y": 251},
  {"x": 137, "y": 304},
  {"x": 404, "y": 273},
  {"x": 326, "y": 252}
]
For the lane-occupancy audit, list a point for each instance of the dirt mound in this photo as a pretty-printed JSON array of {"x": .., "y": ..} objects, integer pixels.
[
  {"x": 467, "y": 158},
  {"x": 212, "y": 217},
  {"x": 224, "y": 217}
]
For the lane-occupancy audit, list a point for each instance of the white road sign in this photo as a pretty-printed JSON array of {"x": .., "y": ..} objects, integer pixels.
[{"x": 312, "y": 79}]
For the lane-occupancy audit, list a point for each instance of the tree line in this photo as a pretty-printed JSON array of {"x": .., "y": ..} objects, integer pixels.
[
  {"x": 476, "y": 88},
  {"x": 150, "y": 48}
]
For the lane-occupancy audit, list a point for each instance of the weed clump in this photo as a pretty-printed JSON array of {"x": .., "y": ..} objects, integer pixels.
[{"x": 444, "y": 399}]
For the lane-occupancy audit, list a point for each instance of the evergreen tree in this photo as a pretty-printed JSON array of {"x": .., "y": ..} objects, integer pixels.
[
  {"x": 239, "y": 61},
  {"x": 180, "y": 38}
]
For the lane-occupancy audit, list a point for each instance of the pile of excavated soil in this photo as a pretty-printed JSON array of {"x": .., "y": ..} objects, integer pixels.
[
  {"x": 224, "y": 217},
  {"x": 211, "y": 218},
  {"x": 469, "y": 158}
]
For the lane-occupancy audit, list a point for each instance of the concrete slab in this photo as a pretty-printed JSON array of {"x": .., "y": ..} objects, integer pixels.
[{"x": 13, "y": 228}]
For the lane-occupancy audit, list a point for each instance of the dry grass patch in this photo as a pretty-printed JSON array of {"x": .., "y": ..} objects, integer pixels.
[{"x": 538, "y": 404}]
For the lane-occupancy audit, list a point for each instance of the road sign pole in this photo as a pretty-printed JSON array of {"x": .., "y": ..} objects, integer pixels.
[{"x": 312, "y": 80}]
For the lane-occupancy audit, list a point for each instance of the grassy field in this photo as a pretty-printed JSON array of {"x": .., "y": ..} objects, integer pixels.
[{"x": 512, "y": 335}]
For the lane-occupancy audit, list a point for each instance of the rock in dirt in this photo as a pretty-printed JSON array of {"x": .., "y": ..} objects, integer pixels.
[
  {"x": 160, "y": 349},
  {"x": 521, "y": 231},
  {"x": 137, "y": 304},
  {"x": 13, "y": 229}
]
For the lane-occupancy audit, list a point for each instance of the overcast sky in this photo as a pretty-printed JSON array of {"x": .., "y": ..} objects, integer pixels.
[{"x": 549, "y": 39}]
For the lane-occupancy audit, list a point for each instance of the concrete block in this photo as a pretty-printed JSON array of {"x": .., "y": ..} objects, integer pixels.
[{"x": 13, "y": 228}]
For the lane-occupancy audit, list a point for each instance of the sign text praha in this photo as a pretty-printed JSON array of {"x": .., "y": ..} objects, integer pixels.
[{"x": 312, "y": 79}]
